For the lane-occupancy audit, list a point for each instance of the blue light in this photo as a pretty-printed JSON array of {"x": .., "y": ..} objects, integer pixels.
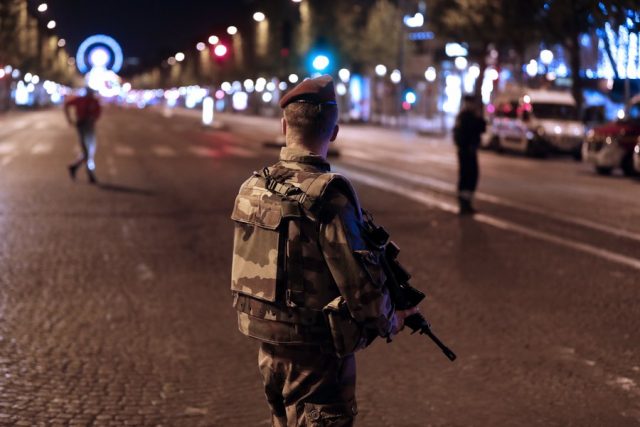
[
  {"x": 355, "y": 88},
  {"x": 321, "y": 62},
  {"x": 422, "y": 35},
  {"x": 116, "y": 56},
  {"x": 410, "y": 97}
]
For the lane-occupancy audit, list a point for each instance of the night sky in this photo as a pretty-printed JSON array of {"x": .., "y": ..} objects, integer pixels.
[{"x": 150, "y": 30}]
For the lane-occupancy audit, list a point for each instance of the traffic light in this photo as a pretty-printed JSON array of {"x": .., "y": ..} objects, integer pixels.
[{"x": 220, "y": 51}]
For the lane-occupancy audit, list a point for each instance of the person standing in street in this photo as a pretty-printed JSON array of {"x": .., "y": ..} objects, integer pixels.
[
  {"x": 469, "y": 127},
  {"x": 305, "y": 281},
  {"x": 87, "y": 112}
]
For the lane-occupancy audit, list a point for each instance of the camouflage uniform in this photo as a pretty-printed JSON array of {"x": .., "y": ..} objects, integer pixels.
[{"x": 294, "y": 256}]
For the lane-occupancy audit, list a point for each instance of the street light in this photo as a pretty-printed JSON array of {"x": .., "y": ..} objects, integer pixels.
[
  {"x": 201, "y": 46},
  {"x": 396, "y": 76},
  {"x": 430, "y": 74},
  {"x": 214, "y": 39},
  {"x": 381, "y": 70},
  {"x": 461, "y": 63},
  {"x": 532, "y": 68},
  {"x": 171, "y": 61},
  {"x": 321, "y": 62},
  {"x": 258, "y": 17},
  {"x": 179, "y": 56},
  {"x": 231, "y": 30},
  {"x": 43, "y": 7},
  {"x": 51, "y": 24},
  {"x": 293, "y": 78},
  {"x": 344, "y": 75},
  {"x": 220, "y": 50},
  {"x": 62, "y": 43},
  {"x": 414, "y": 21},
  {"x": 546, "y": 56}
]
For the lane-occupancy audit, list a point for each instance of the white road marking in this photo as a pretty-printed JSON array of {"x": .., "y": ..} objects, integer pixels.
[
  {"x": 203, "y": 151},
  {"x": 358, "y": 154},
  {"x": 42, "y": 148},
  {"x": 583, "y": 247},
  {"x": 163, "y": 151},
  {"x": 430, "y": 200},
  {"x": 124, "y": 150},
  {"x": 239, "y": 151},
  {"x": 7, "y": 147},
  {"x": 449, "y": 188},
  {"x": 405, "y": 157}
]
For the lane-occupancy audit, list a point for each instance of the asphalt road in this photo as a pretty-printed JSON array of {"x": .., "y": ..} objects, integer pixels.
[{"x": 115, "y": 308}]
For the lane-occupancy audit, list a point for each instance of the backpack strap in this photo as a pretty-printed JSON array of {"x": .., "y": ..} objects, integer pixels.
[{"x": 305, "y": 195}]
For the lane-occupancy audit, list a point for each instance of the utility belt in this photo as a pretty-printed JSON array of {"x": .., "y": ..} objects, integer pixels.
[
  {"x": 262, "y": 310},
  {"x": 276, "y": 325}
]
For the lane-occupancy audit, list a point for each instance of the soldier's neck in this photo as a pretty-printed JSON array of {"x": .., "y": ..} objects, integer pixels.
[{"x": 320, "y": 149}]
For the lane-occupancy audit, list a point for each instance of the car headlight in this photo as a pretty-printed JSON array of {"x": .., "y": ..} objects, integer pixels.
[
  {"x": 609, "y": 140},
  {"x": 637, "y": 149}
]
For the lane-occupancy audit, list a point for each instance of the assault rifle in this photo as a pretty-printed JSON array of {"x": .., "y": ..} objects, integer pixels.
[{"x": 403, "y": 295}]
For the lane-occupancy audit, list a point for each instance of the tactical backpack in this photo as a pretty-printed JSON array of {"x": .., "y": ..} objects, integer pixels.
[{"x": 267, "y": 271}]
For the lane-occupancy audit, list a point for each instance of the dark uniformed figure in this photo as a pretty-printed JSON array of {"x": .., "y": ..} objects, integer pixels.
[
  {"x": 304, "y": 281},
  {"x": 469, "y": 127}
]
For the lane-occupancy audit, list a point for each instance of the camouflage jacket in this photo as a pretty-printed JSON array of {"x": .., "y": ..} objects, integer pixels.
[{"x": 294, "y": 255}]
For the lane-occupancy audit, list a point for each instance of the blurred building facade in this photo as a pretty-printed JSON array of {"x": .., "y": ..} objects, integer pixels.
[
  {"x": 393, "y": 61},
  {"x": 29, "y": 48}
]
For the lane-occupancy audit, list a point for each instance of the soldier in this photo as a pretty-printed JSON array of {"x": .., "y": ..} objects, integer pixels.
[
  {"x": 304, "y": 280},
  {"x": 87, "y": 112},
  {"x": 470, "y": 125}
]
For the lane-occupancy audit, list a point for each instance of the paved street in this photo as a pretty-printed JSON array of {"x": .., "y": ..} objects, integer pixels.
[{"x": 115, "y": 306}]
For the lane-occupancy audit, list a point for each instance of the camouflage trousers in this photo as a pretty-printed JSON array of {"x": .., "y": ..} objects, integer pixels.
[{"x": 308, "y": 388}]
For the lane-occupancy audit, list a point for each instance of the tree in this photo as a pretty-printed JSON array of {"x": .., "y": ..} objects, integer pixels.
[
  {"x": 565, "y": 21},
  {"x": 504, "y": 24},
  {"x": 382, "y": 34}
]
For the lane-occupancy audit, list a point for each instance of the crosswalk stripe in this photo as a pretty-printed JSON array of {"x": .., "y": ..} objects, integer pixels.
[
  {"x": 41, "y": 148},
  {"x": 204, "y": 151},
  {"x": 163, "y": 151},
  {"x": 239, "y": 151},
  {"x": 124, "y": 150},
  {"x": 7, "y": 147}
]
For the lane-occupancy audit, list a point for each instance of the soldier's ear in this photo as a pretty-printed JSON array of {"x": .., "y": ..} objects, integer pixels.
[
  {"x": 283, "y": 123},
  {"x": 334, "y": 135}
]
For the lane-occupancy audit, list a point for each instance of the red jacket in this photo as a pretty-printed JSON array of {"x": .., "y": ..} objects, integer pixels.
[{"x": 87, "y": 109}]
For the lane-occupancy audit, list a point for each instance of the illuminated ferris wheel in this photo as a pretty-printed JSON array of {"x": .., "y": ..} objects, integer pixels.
[{"x": 100, "y": 58}]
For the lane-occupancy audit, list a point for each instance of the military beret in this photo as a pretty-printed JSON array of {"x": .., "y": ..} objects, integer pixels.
[{"x": 315, "y": 91}]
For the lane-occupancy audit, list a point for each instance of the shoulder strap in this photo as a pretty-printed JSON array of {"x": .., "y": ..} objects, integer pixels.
[
  {"x": 305, "y": 195},
  {"x": 310, "y": 190}
]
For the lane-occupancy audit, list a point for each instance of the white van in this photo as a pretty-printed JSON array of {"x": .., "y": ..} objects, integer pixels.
[{"x": 536, "y": 122}]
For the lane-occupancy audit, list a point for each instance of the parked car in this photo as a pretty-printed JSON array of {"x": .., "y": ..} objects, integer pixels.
[
  {"x": 612, "y": 145},
  {"x": 536, "y": 122}
]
